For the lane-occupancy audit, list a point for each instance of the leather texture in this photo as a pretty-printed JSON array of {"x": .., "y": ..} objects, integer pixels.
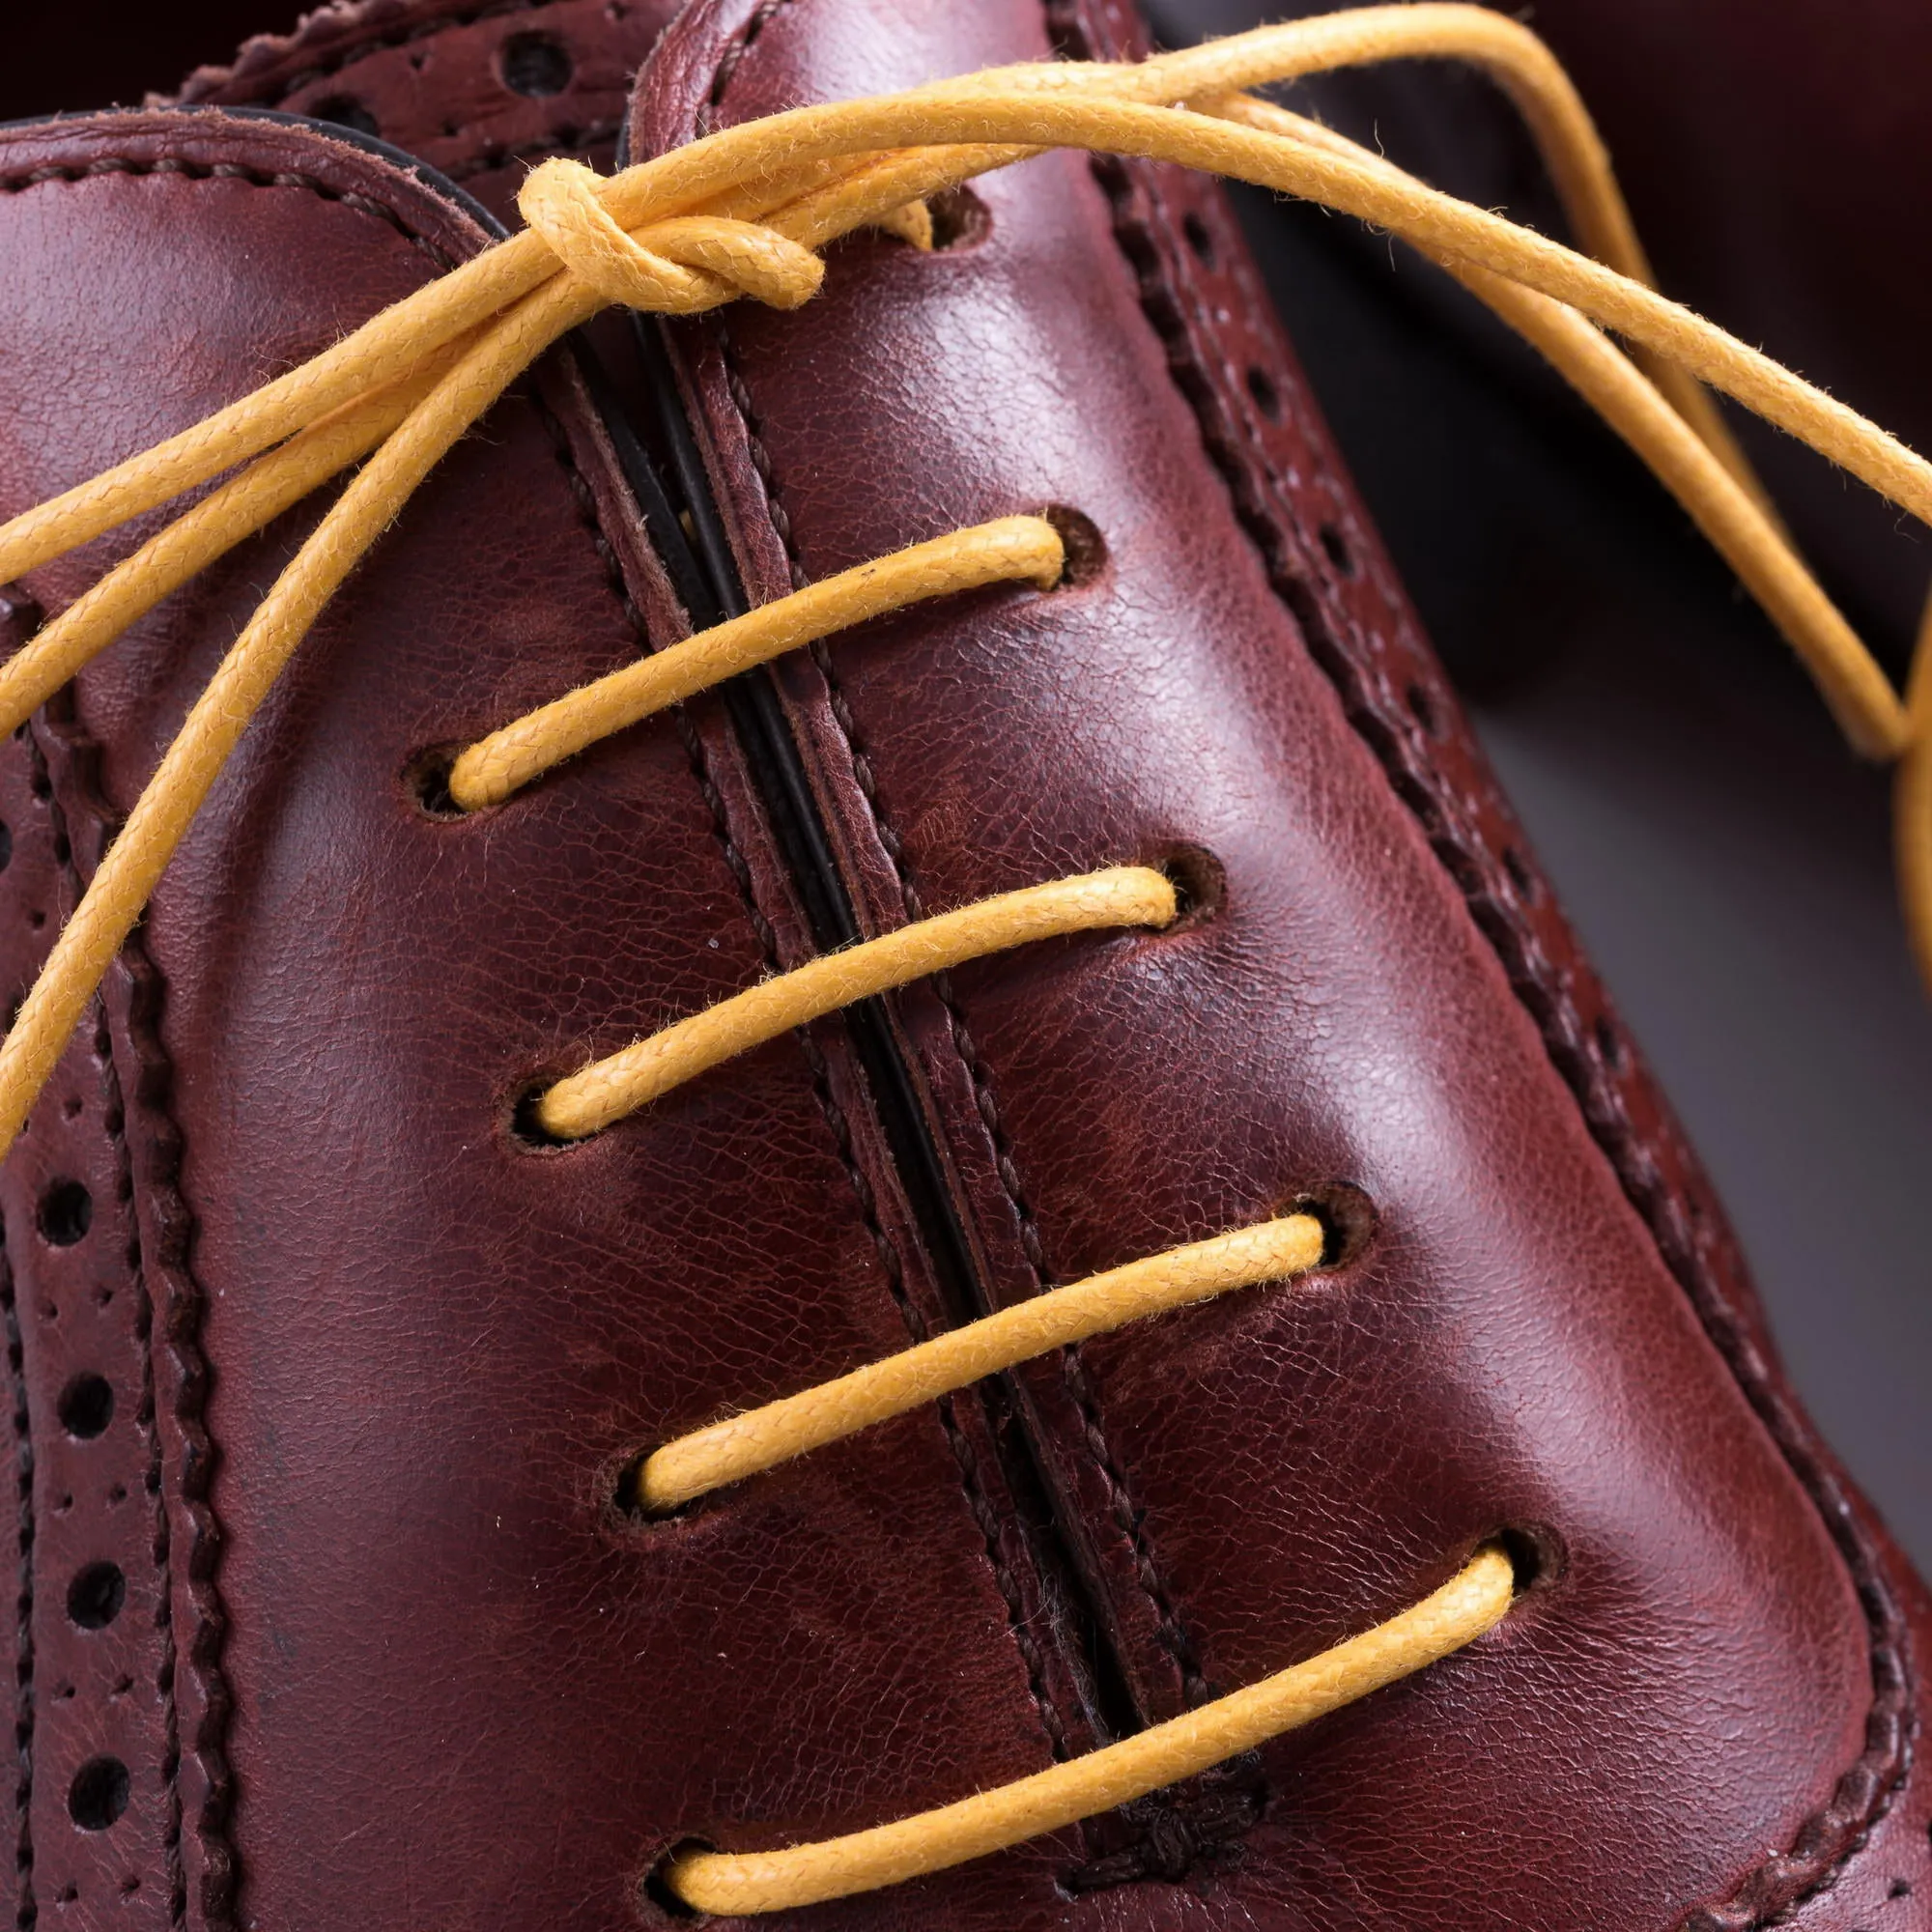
[
  {"x": 479, "y": 93},
  {"x": 384, "y": 1653}
]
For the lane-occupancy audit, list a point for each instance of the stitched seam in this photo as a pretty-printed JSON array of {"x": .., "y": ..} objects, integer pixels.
[
  {"x": 115, "y": 1120},
  {"x": 121, "y": 164},
  {"x": 972, "y": 1479},
  {"x": 891, "y": 1261},
  {"x": 165, "y": 1677},
  {"x": 1127, "y": 1514},
  {"x": 353, "y": 56},
  {"x": 26, "y": 1910},
  {"x": 186, "y": 1302},
  {"x": 1864, "y": 1791}
]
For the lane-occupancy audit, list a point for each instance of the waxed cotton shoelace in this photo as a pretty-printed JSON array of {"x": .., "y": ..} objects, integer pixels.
[{"x": 743, "y": 215}]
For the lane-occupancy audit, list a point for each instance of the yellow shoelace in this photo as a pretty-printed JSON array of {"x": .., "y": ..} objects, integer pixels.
[{"x": 742, "y": 214}]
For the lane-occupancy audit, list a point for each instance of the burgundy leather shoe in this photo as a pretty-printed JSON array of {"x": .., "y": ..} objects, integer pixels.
[{"x": 331, "y": 1371}]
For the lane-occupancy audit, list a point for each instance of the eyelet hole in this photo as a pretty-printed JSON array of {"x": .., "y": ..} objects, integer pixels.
[
  {"x": 661, "y": 1904},
  {"x": 1200, "y": 883},
  {"x": 1348, "y": 1223},
  {"x": 535, "y": 66},
  {"x": 1536, "y": 1555},
  {"x": 346, "y": 112},
  {"x": 629, "y": 1514},
  {"x": 1424, "y": 709},
  {"x": 1521, "y": 876},
  {"x": 426, "y": 781},
  {"x": 87, "y": 1406},
  {"x": 67, "y": 1212},
  {"x": 1262, "y": 388},
  {"x": 95, "y": 1595},
  {"x": 624, "y": 1485},
  {"x": 1609, "y": 1043},
  {"x": 526, "y": 1124},
  {"x": 1085, "y": 547},
  {"x": 960, "y": 219},
  {"x": 1201, "y": 238},
  {"x": 98, "y": 1794},
  {"x": 1337, "y": 547}
]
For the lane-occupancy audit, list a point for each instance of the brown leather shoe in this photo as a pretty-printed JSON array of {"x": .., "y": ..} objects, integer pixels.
[{"x": 332, "y": 1368}]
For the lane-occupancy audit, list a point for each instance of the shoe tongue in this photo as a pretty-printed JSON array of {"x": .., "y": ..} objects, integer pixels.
[{"x": 480, "y": 101}]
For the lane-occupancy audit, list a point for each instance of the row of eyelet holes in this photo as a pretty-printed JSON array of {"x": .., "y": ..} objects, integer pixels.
[
  {"x": 535, "y": 66},
  {"x": 1266, "y": 393},
  {"x": 97, "y": 1592}
]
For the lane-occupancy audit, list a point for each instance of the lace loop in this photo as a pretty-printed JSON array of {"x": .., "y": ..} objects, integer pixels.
[
  {"x": 759, "y": 1440},
  {"x": 1009, "y": 550},
  {"x": 590, "y": 1101}
]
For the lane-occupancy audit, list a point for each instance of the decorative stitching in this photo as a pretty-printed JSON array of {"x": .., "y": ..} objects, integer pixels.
[
  {"x": 1828, "y": 1840},
  {"x": 123, "y": 164},
  {"x": 20, "y": 615},
  {"x": 184, "y": 1301},
  {"x": 207, "y": 80},
  {"x": 84, "y": 753}
]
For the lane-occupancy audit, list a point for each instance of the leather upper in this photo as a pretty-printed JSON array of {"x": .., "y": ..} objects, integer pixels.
[
  {"x": 480, "y": 93},
  {"x": 386, "y": 1651}
]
